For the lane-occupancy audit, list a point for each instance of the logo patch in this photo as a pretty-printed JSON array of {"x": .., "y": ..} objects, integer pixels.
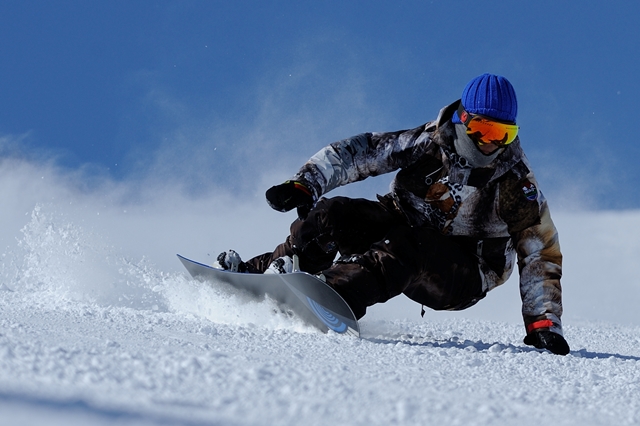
[{"x": 530, "y": 191}]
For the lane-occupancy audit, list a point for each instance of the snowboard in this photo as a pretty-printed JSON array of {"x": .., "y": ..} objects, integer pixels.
[{"x": 306, "y": 296}]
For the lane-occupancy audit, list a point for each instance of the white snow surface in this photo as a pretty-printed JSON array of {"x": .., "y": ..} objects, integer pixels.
[{"x": 90, "y": 334}]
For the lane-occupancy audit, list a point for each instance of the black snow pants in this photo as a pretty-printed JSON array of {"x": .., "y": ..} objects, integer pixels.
[{"x": 381, "y": 256}]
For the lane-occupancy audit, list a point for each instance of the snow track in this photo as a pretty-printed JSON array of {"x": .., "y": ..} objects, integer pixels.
[{"x": 74, "y": 362}]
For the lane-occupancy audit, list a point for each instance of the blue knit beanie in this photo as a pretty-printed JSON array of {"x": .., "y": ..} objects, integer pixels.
[{"x": 491, "y": 95}]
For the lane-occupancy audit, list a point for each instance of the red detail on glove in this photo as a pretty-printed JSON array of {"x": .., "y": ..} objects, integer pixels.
[
  {"x": 539, "y": 324},
  {"x": 302, "y": 188}
]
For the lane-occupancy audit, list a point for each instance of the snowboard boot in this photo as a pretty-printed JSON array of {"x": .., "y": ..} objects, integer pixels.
[
  {"x": 229, "y": 261},
  {"x": 282, "y": 265}
]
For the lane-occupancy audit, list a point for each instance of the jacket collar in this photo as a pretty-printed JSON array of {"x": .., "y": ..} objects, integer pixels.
[{"x": 446, "y": 113}]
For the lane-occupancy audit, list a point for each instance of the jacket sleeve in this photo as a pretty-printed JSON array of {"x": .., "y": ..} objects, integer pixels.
[
  {"x": 356, "y": 158},
  {"x": 540, "y": 266}
]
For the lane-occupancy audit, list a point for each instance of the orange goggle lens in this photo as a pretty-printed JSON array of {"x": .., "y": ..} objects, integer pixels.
[{"x": 486, "y": 130}]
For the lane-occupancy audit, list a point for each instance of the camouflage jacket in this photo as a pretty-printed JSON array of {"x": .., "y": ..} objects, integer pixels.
[{"x": 495, "y": 211}]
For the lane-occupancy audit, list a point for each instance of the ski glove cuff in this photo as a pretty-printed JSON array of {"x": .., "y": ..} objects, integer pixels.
[
  {"x": 545, "y": 339},
  {"x": 290, "y": 195}
]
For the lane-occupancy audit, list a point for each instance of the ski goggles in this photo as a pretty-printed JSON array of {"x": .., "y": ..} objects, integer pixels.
[{"x": 485, "y": 130}]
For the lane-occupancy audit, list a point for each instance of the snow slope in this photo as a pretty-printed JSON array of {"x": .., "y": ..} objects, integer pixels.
[{"x": 98, "y": 328}]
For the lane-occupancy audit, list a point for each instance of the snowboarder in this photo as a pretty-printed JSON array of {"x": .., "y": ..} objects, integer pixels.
[{"x": 462, "y": 205}]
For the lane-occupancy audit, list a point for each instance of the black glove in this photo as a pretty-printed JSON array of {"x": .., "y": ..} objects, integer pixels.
[
  {"x": 289, "y": 195},
  {"x": 545, "y": 339}
]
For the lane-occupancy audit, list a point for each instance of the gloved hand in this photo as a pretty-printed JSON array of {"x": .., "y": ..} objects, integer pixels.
[
  {"x": 289, "y": 195},
  {"x": 545, "y": 339}
]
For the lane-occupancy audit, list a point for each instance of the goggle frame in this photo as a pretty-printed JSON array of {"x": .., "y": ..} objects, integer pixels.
[{"x": 480, "y": 127}]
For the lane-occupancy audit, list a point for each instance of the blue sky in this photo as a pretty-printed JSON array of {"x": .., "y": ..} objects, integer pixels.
[{"x": 238, "y": 94}]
